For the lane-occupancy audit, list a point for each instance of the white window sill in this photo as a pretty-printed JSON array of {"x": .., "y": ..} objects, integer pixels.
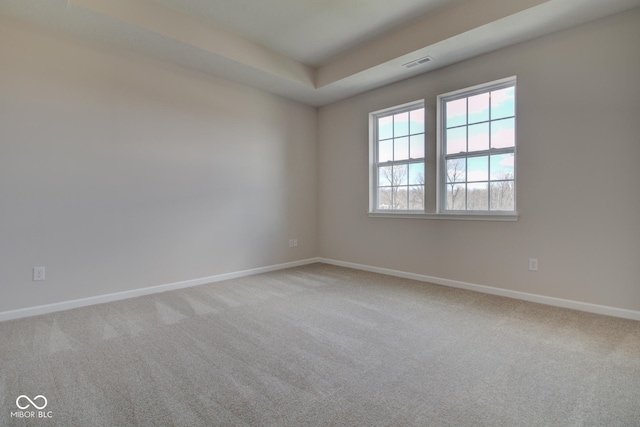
[{"x": 481, "y": 216}]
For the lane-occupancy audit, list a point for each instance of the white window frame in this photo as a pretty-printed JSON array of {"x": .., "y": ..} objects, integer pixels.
[
  {"x": 441, "y": 189},
  {"x": 434, "y": 189},
  {"x": 373, "y": 159}
]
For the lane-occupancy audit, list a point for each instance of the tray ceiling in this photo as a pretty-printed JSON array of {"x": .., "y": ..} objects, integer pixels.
[{"x": 312, "y": 51}]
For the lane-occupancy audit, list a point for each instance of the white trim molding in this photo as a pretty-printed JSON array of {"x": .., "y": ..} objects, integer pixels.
[
  {"x": 450, "y": 216},
  {"x": 101, "y": 299},
  {"x": 541, "y": 299}
]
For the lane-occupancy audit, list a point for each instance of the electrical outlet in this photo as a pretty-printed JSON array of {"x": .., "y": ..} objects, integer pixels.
[
  {"x": 293, "y": 243},
  {"x": 533, "y": 264},
  {"x": 38, "y": 273}
]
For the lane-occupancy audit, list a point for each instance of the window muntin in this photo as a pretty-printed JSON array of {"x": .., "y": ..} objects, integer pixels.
[
  {"x": 399, "y": 159},
  {"x": 477, "y": 149}
]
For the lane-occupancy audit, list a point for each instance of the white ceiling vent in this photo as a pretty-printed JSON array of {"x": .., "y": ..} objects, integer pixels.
[{"x": 418, "y": 62}]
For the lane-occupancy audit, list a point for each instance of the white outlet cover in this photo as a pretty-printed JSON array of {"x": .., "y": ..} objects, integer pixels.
[{"x": 38, "y": 273}]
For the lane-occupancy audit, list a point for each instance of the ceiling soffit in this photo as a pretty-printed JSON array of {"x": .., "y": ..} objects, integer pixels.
[{"x": 448, "y": 35}]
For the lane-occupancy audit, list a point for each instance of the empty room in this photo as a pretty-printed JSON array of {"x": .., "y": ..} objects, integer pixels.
[{"x": 319, "y": 213}]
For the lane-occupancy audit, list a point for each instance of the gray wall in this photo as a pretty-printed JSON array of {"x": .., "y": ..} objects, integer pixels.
[
  {"x": 119, "y": 172},
  {"x": 578, "y": 172}
]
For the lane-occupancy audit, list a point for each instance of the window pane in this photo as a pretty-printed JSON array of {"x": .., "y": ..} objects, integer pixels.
[
  {"x": 400, "y": 124},
  {"x": 401, "y": 149},
  {"x": 456, "y": 196},
  {"x": 478, "y": 168},
  {"x": 416, "y": 121},
  {"x": 399, "y": 146},
  {"x": 503, "y": 103},
  {"x": 416, "y": 174},
  {"x": 416, "y": 197},
  {"x": 400, "y": 175},
  {"x": 502, "y": 166},
  {"x": 400, "y": 198},
  {"x": 417, "y": 146},
  {"x": 502, "y": 196},
  {"x": 503, "y": 133},
  {"x": 456, "y": 112},
  {"x": 479, "y": 108},
  {"x": 457, "y": 140},
  {"x": 456, "y": 170},
  {"x": 385, "y": 151},
  {"x": 385, "y": 199},
  {"x": 478, "y": 197},
  {"x": 479, "y": 137},
  {"x": 384, "y": 176},
  {"x": 385, "y": 127}
]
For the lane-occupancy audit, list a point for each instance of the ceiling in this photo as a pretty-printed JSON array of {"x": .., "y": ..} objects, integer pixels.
[
  {"x": 312, "y": 51},
  {"x": 309, "y": 31}
]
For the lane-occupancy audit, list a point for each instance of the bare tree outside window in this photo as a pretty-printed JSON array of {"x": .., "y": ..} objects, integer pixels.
[
  {"x": 503, "y": 193},
  {"x": 456, "y": 193},
  {"x": 394, "y": 196},
  {"x": 416, "y": 193}
]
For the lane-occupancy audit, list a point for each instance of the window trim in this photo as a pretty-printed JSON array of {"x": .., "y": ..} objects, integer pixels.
[
  {"x": 433, "y": 162},
  {"x": 471, "y": 216},
  {"x": 373, "y": 155},
  {"x": 441, "y": 183}
]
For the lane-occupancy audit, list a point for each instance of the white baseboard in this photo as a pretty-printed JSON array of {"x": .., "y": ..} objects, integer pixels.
[
  {"x": 558, "y": 302},
  {"x": 100, "y": 299}
]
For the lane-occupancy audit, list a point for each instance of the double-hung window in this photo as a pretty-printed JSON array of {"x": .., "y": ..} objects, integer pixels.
[
  {"x": 473, "y": 157},
  {"x": 398, "y": 164},
  {"x": 477, "y": 149}
]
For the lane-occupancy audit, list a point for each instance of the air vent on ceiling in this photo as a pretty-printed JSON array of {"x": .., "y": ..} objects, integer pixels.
[{"x": 418, "y": 62}]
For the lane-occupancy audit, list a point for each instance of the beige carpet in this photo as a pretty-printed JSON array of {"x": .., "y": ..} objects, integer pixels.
[{"x": 322, "y": 345}]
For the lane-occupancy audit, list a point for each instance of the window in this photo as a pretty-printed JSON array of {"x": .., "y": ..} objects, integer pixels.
[
  {"x": 477, "y": 149},
  {"x": 465, "y": 172},
  {"x": 398, "y": 159}
]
